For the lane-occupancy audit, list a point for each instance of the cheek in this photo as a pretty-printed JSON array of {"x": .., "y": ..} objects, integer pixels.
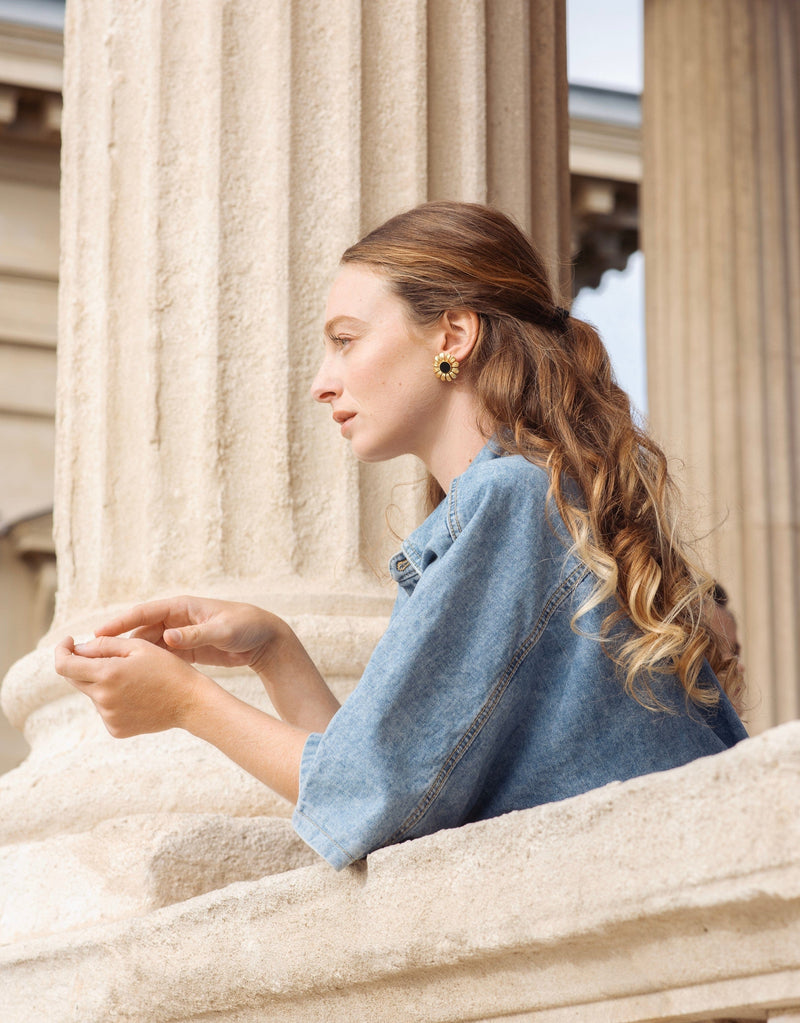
[
  {"x": 393, "y": 382},
  {"x": 413, "y": 401}
]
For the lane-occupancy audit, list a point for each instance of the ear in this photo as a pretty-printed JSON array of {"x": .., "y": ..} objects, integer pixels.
[{"x": 460, "y": 328}]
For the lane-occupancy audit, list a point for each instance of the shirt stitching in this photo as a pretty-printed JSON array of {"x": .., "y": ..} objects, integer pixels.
[
  {"x": 453, "y": 521},
  {"x": 413, "y": 557},
  {"x": 322, "y": 831},
  {"x": 557, "y": 597}
]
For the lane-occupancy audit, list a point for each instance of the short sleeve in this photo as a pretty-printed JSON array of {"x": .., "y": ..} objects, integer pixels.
[{"x": 406, "y": 755}]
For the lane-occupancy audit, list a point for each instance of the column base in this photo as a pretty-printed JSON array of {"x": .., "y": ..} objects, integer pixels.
[{"x": 77, "y": 776}]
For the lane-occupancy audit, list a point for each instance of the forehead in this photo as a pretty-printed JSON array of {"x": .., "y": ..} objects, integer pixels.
[{"x": 362, "y": 294}]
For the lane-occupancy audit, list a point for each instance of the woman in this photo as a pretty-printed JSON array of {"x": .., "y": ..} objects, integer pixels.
[{"x": 548, "y": 635}]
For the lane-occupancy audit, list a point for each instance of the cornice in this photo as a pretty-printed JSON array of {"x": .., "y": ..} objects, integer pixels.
[
  {"x": 31, "y": 57},
  {"x": 605, "y": 150}
]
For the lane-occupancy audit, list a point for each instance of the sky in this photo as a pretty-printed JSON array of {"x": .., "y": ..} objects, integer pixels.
[
  {"x": 44, "y": 13},
  {"x": 604, "y": 43},
  {"x": 604, "y": 47}
]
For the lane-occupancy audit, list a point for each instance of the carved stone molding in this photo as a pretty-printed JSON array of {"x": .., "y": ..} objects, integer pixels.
[
  {"x": 30, "y": 115},
  {"x": 31, "y": 57},
  {"x": 605, "y": 227}
]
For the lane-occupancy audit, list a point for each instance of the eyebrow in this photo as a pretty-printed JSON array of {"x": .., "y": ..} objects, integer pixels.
[{"x": 340, "y": 321}]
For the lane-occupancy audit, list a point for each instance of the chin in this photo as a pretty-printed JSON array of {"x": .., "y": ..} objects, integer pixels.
[
  {"x": 370, "y": 456},
  {"x": 365, "y": 453}
]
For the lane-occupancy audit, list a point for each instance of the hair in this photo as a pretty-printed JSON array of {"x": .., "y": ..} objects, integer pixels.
[{"x": 545, "y": 390}]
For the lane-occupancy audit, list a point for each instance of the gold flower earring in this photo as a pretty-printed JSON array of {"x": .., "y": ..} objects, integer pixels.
[{"x": 445, "y": 366}]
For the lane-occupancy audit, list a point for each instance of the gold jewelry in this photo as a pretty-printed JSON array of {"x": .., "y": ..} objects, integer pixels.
[{"x": 445, "y": 366}]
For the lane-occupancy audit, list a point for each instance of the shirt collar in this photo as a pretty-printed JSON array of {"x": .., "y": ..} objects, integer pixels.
[{"x": 407, "y": 563}]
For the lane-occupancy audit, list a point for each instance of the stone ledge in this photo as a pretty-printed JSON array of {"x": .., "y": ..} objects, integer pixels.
[
  {"x": 134, "y": 865},
  {"x": 673, "y": 897}
]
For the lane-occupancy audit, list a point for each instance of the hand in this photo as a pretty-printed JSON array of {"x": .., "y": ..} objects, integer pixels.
[
  {"x": 206, "y": 631},
  {"x": 202, "y": 630},
  {"x": 136, "y": 686}
]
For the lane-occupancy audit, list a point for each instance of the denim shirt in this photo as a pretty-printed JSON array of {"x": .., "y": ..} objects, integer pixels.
[{"x": 481, "y": 698}]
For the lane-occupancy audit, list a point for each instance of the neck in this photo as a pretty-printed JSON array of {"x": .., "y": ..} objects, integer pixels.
[{"x": 456, "y": 443}]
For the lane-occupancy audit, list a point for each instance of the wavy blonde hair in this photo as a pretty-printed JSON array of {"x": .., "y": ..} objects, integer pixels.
[{"x": 546, "y": 391}]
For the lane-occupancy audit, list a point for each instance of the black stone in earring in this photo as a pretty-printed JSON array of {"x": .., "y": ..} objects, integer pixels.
[{"x": 445, "y": 366}]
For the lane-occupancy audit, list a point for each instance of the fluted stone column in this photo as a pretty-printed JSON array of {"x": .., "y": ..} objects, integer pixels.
[
  {"x": 218, "y": 157},
  {"x": 722, "y": 246}
]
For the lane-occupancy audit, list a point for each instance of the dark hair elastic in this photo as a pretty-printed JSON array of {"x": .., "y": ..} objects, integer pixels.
[{"x": 562, "y": 314}]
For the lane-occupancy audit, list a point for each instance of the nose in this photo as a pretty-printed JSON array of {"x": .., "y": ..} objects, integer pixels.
[{"x": 325, "y": 386}]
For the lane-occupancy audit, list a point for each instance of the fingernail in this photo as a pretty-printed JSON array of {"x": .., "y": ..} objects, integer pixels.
[
  {"x": 79, "y": 646},
  {"x": 172, "y": 635}
]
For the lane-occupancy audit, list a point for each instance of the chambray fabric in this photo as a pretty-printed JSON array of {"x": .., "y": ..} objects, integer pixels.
[{"x": 480, "y": 698}]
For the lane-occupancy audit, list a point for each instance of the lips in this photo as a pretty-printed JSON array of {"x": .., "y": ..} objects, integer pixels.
[{"x": 342, "y": 417}]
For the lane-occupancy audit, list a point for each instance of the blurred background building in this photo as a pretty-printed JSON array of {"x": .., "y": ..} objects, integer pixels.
[{"x": 31, "y": 54}]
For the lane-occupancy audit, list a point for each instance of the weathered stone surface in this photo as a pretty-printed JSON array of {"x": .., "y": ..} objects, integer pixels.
[
  {"x": 131, "y": 866},
  {"x": 671, "y": 897}
]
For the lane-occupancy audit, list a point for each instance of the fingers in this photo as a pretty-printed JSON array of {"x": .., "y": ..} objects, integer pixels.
[
  {"x": 218, "y": 631},
  {"x": 73, "y": 668},
  {"x": 63, "y": 652},
  {"x": 64, "y": 655},
  {"x": 189, "y": 636},
  {"x": 87, "y": 662},
  {"x": 143, "y": 616},
  {"x": 194, "y": 628},
  {"x": 104, "y": 646},
  {"x": 151, "y": 633}
]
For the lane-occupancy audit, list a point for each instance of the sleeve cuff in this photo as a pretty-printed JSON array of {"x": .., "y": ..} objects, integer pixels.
[
  {"x": 303, "y": 823},
  {"x": 321, "y": 842}
]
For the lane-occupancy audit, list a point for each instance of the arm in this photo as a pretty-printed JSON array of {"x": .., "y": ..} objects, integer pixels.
[
  {"x": 138, "y": 687},
  {"x": 267, "y": 748},
  {"x": 294, "y": 685}
]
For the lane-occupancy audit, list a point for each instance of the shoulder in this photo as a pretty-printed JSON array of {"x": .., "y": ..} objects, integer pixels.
[{"x": 499, "y": 487}]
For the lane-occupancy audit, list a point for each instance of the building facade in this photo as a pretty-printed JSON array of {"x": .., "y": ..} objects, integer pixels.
[{"x": 31, "y": 57}]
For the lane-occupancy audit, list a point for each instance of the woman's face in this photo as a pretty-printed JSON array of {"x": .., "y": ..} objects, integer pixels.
[{"x": 377, "y": 373}]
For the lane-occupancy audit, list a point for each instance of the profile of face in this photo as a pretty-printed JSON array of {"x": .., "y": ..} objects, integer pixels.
[{"x": 377, "y": 372}]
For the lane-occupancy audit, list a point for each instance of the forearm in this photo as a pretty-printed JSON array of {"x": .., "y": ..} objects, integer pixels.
[
  {"x": 265, "y": 747},
  {"x": 295, "y": 687}
]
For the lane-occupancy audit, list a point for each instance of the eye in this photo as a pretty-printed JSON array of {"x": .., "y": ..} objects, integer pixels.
[{"x": 340, "y": 342}]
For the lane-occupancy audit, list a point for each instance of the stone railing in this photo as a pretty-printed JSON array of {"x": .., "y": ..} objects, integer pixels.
[{"x": 670, "y": 897}]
